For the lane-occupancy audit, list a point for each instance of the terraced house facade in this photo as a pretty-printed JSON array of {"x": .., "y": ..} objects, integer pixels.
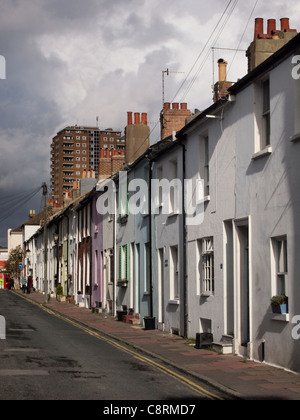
[{"x": 213, "y": 269}]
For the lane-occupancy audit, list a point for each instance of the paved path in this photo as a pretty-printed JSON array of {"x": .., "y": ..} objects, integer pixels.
[{"x": 238, "y": 377}]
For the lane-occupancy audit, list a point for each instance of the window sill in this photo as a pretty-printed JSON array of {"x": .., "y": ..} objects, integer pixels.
[
  {"x": 295, "y": 138},
  {"x": 206, "y": 294},
  {"x": 174, "y": 302},
  {"x": 262, "y": 153},
  {"x": 281, "y": 317},
  {"x": 173, "y": 214}
]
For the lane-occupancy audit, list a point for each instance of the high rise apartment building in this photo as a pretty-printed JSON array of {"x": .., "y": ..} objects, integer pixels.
[{"x": 74, "y": 152}]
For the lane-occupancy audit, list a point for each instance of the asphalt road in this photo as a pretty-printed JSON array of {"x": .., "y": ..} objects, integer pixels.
[{"x": 44, "y": 357}]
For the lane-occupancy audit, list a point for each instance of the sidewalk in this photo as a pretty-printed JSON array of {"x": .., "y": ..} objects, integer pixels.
[{"x": 238, "y": 377}]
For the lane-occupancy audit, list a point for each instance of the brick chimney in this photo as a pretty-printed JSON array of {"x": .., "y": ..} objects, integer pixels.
[
  {"x": 222, "y": 86},
  {"x": 173, "y": 118},
  {"x": 266, "y": 44}
]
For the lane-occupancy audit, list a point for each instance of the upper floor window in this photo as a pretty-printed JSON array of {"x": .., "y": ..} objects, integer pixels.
[
  {"x": 262, "y": 112},
  {"x": 204, "y": 163}
]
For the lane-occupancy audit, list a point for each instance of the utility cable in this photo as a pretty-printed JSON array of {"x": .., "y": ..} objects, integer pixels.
[
  {"x": 204, "y": 48},
  {"x": 9, "y": 212}
]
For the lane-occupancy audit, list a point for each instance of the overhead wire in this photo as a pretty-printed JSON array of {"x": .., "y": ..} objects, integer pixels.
[
  {"x": 13, "y": 208},
  {"x": 220, "y": 30},
  {"x": 198, "y": 58}
]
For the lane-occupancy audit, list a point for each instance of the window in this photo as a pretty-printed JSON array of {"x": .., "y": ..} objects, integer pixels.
[
  {"x": 174, "y": 191},
  {"x": 159, "y": 174},
  {"x": 174, "y": 273},
  {"x": 262, "y": 111},
  {"x": 206, "y": 266},
  {"x": 147, "y": 267},
  {"x": 204, "y": 163},
  {"x": 124, "y": 263},
  {"x": 265, "y": 141},
  {"x": 280, "y": 266}
]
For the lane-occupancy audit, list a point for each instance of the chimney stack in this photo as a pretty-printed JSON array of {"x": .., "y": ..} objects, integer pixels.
[
  {"x": 137, "y": 137},
  {"x": 265, "y": 45}
]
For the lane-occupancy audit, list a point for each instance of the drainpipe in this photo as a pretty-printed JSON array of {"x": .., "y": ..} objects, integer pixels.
[
  {"x": 150, "y": 162},
  {"x": 184, "y": 233},
  {"x": 91, "y": 250},
  {"x": 150, "y": 233}
]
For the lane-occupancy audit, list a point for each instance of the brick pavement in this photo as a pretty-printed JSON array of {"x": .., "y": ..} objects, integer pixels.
[{"x": 238, "y": 377}]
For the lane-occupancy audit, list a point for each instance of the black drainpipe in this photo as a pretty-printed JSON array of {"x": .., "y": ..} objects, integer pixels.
[{"x": 150, "y": 233}]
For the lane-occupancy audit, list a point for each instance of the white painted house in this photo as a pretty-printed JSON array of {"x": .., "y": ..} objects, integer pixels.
[{"x": 246, "y": 250}]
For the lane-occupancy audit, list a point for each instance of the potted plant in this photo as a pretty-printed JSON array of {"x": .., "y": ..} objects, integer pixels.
[
  {"x": 122, "y": 283},
  {"x": 279, "y": 304},
  {"x": 59, "y": 293}
]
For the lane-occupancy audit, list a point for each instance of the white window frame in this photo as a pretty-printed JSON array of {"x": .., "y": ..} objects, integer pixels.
[{"x": 207, "y": 266}]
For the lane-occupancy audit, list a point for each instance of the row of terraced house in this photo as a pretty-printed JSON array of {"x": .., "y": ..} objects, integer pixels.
[{"x": 200, "y": 230}]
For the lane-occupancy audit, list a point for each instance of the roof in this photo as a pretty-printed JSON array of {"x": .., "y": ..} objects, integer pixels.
[{"x": 270, "y": 63}]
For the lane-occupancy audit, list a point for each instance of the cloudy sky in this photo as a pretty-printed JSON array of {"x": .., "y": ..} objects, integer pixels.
[{"x": 69, "y": 61}]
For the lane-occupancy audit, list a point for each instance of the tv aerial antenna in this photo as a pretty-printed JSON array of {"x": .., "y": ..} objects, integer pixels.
[{"x": 167, "y": 73}]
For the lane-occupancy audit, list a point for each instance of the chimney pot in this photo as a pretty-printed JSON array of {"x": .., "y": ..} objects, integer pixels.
[
  {"x": 167, "y": 105},
  {"x": 271, "y": 26},
  {"x": 259, "y": 28},
  {"x": 183, "y": 106},
  {"x": 137, "y": 118},
  {"x": 129, "y": 118},
  {"x": 144, "y": 118},
  {"x": 285, "y": 24},
  {"x": 175, "y": 105},
  {"x": 222, "y": 70}
]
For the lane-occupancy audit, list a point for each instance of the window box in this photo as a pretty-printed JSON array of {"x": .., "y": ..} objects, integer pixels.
[
  {"x": 122, "y": 283},
  {"x": 123, "y": 220},
  {"x": 279, "y": 304}
]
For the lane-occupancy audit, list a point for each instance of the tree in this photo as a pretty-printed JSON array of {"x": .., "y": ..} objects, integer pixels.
[{"x": 15, "y": 258}]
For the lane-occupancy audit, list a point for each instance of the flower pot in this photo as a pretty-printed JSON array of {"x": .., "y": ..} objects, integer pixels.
[{"x": 280, "y": 309}]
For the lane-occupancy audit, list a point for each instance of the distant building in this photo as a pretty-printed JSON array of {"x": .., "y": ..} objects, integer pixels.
[{"x": 75, "y": 150}]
